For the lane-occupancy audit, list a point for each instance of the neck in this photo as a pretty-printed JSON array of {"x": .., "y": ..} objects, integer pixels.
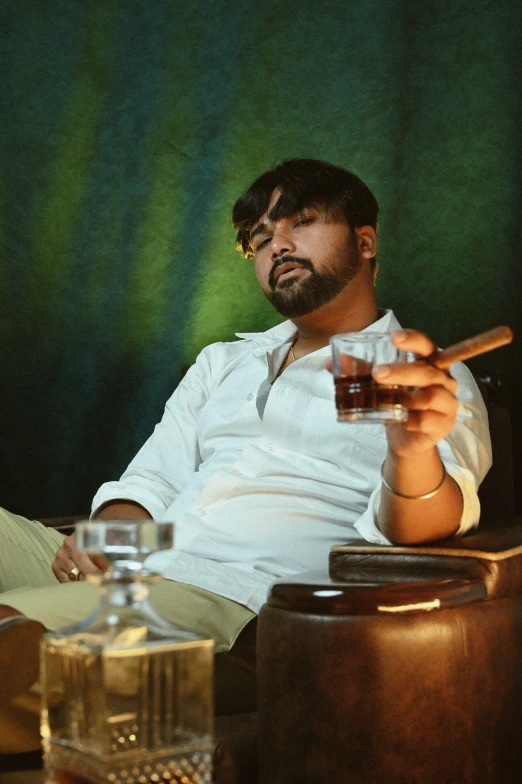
[{"x": 314, "y": 330}]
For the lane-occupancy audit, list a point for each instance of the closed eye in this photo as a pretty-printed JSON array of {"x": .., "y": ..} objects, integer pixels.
[
  {"x": 304, "y": 219},
  {"x": 263, "y": 242}
]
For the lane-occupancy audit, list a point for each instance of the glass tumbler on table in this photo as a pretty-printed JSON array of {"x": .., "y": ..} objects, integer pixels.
[{"x": 127, "y": 696}]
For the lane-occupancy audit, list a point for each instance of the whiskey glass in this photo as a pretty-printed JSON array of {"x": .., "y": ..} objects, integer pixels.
[{"x": 358, "y": 397}]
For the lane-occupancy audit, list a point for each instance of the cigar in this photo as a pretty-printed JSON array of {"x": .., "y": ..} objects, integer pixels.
[{"x": 471, "y": 347}]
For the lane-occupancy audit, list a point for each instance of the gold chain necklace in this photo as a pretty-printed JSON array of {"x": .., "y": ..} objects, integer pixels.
[{"x": 292, "y": 351}]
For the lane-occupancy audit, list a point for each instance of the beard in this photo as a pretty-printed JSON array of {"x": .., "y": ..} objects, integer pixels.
[{"x": 299, "y": 296}]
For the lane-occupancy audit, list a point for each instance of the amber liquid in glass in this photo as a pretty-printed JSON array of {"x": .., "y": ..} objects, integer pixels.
[{"x": 358, "y": 396}]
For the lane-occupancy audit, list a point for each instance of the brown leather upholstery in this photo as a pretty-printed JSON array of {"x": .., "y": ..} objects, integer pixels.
[
  {"x": 493, "y": 558},
  {"x": 357, "y": 690},
  {"x": 235, "y": 758}
]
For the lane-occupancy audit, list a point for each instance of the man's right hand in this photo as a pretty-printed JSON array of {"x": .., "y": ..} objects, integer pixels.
[{"x": 68, "y": 557}]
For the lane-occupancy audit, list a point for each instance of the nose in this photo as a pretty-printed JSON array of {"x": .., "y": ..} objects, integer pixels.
[{"x": 282, "y": 242}]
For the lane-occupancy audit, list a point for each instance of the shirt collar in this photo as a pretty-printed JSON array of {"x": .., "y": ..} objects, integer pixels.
[{"x": 286, "y": 331}]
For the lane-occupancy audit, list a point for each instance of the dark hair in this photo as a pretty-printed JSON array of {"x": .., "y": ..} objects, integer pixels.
[{"x": 303, "y": 182}]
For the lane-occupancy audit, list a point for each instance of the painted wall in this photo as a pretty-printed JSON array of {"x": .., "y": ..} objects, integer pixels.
[{"x": 127, "y": 131}]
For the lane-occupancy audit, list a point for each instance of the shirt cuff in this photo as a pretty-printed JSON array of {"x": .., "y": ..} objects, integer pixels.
[{"x": 121, "y": 491}]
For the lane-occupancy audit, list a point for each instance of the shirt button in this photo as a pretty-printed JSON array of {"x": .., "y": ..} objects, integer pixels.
[
  {"x": 269, "y": 448},
  {"x": 250, "y": 396},
  {"x": 201, "y": 512}
]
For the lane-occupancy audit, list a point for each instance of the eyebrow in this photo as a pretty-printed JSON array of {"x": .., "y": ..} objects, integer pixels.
[{"x": 259, "y": 229}]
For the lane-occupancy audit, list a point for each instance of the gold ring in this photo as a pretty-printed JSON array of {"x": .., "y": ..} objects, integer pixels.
[{"x": 74, "y": 574}]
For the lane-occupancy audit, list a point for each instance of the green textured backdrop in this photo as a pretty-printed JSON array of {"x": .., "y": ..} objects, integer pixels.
[{"x": 128, "y": 129}]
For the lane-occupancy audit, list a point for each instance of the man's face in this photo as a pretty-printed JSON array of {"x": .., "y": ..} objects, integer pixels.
[{"x": 305, "y": 260}]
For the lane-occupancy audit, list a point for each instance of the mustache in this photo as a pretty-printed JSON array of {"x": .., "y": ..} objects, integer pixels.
[{"x": 303, "y": 262}]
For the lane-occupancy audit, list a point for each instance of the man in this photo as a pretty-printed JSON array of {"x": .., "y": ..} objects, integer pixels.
[{"x": 249, "y": 460}]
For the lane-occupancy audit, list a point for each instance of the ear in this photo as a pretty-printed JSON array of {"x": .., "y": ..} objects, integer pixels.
[{"x": 366, "y": 241}]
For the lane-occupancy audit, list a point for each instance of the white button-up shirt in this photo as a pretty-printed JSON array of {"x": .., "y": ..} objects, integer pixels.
[{"x": 258, "y": 475}]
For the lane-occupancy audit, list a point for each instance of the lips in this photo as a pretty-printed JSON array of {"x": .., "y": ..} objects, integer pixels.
[{"x": 287, "y": 267}]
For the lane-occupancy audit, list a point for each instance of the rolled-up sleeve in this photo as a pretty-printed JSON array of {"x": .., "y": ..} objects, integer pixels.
[{"x": 465, "y": 452}]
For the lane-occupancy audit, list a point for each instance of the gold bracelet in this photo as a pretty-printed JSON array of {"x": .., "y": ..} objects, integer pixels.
[{"x": 414, "y": 497}]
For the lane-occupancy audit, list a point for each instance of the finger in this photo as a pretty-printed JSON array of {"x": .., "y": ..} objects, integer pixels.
[
  {"x": 84, "y": 562},
  {"x": 62, "y": 561},
  {"x": 350, "y": 365},
  {"x": 354, "y": 366},
  {"x": 430, "y": 423},
  {"x": 99, "y": 564},
  {"x": 411, "y": 340},
  {"x": 100, "y": 561},
  {"x": 69, "y": 543},
  {"x": 63, "y": 570},
  {"x": 433, "y": 398},
  {"x": 62, "y": 575},
  {"x": 413, "y": 374}
]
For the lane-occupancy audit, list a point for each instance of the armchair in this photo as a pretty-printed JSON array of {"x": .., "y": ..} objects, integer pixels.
[
  {"x": 401, "y": 665},
  {"x": 427, "y": 690}
]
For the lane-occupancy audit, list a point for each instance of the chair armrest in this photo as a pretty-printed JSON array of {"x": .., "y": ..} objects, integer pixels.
[{"x": 493, "y": 557}]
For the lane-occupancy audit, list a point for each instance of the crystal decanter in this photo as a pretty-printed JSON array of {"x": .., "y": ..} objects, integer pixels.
[{"x": 127, "y": 696}]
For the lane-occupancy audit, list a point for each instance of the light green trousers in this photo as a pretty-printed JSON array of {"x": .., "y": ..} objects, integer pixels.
[{"x": 27, "y": 583}]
